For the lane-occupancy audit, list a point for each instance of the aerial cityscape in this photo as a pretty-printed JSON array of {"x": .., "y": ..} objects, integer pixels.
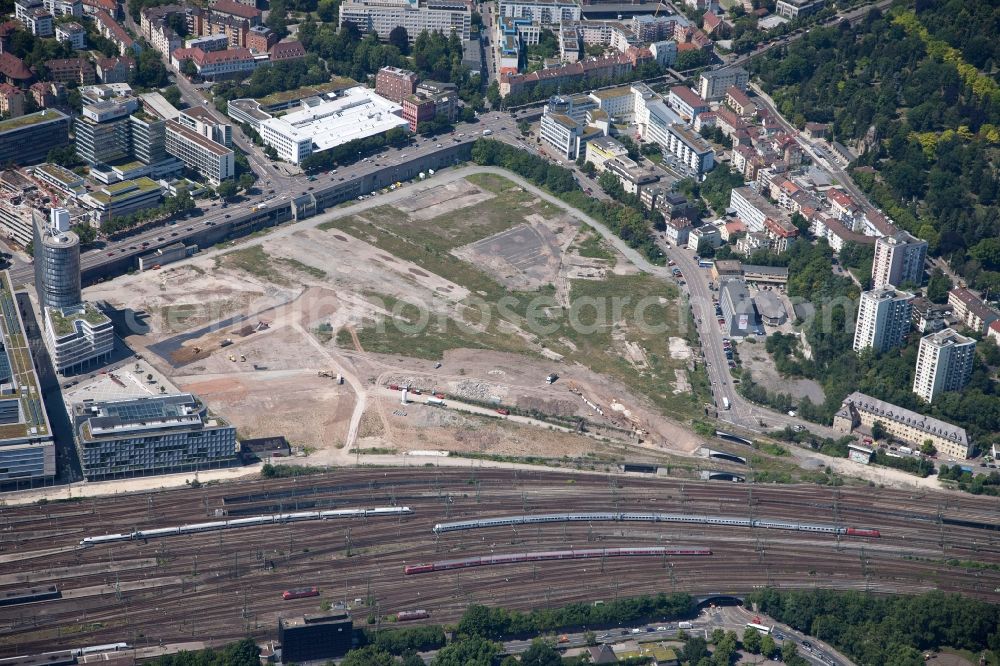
[{"x": 499, "y": 332}]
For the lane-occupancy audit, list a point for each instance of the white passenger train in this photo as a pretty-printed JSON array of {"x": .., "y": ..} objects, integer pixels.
[
  {"x": 652, "y": 518},
  {"x": 248, "y": 522}
]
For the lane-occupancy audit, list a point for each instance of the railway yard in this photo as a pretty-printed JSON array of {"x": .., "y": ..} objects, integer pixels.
[{"x": 220, "y": 584}]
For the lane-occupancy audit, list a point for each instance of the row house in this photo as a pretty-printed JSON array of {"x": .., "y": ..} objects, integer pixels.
[
  {"x": 970, "y": 310},
  {"x": 75, "y": 70},
  {"x": 112, "y": 30},
  {"x": 48, "y": 93},
  {"x": 740, "y": 102},
  {"x": 91, "y": 7},
  {"x": 155, "y": 27},
  {"x": 746, "y": 161},
  {"x": 608, "y": 67},
  {"x": 115, "y": 70},
  {"x": 11, "y": 100},
  {"x": 835, "y": 233},
  {"x": 231, "y": 63}
]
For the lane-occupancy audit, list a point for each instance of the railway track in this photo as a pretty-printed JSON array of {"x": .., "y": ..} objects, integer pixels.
[{"x": 231, "y": 580}]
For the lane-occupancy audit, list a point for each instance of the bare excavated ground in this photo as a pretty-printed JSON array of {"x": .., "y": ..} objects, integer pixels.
[{"x": 385, "y": 295}]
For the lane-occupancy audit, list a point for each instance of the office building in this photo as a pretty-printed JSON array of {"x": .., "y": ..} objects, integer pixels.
[
  {"x": 395, "y": 84},
  {"x": 970, "y": 309},
  {"x": 102, "y": 131},
  {"x": 57, "y": 262},
  {"x": 738, "y": 309},
  {"x": 566, "y": 135},
  {"x": 944, "y": 363},
  {"x": 356, "y": 113},
  {"x": 201, "y": 120},
  {"x": 27, "y": 450},
  {"x": 150, "y": 435},
  {"x": 899, "y": 259},
  {"x": 883, "y": 319},
  {"x": 902, "y": 424},
  {"x": 314, "y": 637},
  {"x": 78, "y": 336},
  {"x": 123, "y": 198},
  {"x": 714, "y": 84},
  {"x": 210, "y": 159},
  {"x": 545, "y": 12},
  {"x": 381, "y": 17},
  {"x": 602, "y": 149},
  {"x": 690, "y": 149},
  {"x": 28, "y": 139}
]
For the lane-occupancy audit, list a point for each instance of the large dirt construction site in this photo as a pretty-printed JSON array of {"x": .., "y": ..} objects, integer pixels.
[{"x": 469, "y": 287}]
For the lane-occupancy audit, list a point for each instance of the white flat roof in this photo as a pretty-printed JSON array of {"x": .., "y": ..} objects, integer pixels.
[{"x": 356, "y": 113}]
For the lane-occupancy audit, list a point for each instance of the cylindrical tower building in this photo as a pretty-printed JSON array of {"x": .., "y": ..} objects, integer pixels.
[{"x": 57, "y": 263}]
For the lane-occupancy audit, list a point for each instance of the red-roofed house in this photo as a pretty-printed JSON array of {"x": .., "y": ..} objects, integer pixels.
[
  {"x": 971, "y": 310},
  {"x": 740, "y": 102},
  {"x": 47, "y": 93},
  {"x": 842, "y": 204},
  {"x": 230, "y": 8},
  {"x": 65, "y": 70},
  {"x": 113, "y": 30},
  {"x": 715, "y": 26},
  {"x": 11, "y": 100},
  {"x": 115, "y": 70},
  {"x": 109, "y": 6},
  {"x": 731, "y": 229},
  {"x": 14, "y": 70},
  {"x": 231, "y": 63},
  {"x": 287, "y": 51},
  {"x": 993, "y": 331}
]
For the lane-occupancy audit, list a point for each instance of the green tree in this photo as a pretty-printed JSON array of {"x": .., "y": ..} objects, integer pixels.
[
  {"x": 695, "y": 649},
  {"x": 751, "y": 640},
  {"x": 540, "y": 654},
  {"x": 226, "y": 189},
  {"x": 400, "y": 39},
  {"x": 247, "y": 181},
  {"x": 493, "y": 94},
  {"x": 367, "y": 656},
  {"x": 927, "y": 448},
  {"x": 86, "y": 233},
  {"x": 473, "y": 651},
  {"x": 789, "y": 651},
  {"x": 172, "y": 94},
  {"x": 938, "y": 287},
  {"x": 767, "y": 646},
  {"x": 879, "y": 431}
]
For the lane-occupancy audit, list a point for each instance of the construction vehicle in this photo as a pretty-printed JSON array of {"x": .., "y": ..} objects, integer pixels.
[
  {"x": 243, "y": 358},
  {"x": 232, "y": 358}
]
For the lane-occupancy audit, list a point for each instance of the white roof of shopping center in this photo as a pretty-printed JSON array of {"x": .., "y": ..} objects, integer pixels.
[{"x": 355, "y": 113}]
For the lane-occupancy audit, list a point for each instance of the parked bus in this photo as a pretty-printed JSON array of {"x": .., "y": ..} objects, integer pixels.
[{"x": 763, "y": 629}]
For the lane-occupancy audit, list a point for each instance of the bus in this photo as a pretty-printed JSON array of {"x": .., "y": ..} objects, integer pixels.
[
  {"x": 725, "y": 402},
  {"x": 763, "y": 629},
  {"x": 704, "y": 263}
]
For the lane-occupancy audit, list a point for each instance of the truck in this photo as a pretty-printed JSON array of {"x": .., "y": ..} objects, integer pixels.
[
  {"x": 684, "y": 625},
  {"x": 905, "y": 449},
  {"x": 435, "y": 402},
  {"x": 725, "y": 402},
  {"x": 487, "y": 132},
  {"x": 551, "y": 379}
]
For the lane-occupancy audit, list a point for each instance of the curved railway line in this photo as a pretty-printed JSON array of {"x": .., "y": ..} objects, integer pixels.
[{"x": 224, "y": 583}]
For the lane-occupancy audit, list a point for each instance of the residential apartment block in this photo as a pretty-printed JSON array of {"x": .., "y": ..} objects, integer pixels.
[
  {"x": 970, "y": 309},
  {"x": 899, "y": 259},
  {"x": 944, "y": 363},
  {"x": 863, "y": 410},
  {"x": 381, "y": 16},
  {"x": 545, "y": 12},
  {"x": 883, "y": 319},
  {"x": 714, "y": 84}
]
